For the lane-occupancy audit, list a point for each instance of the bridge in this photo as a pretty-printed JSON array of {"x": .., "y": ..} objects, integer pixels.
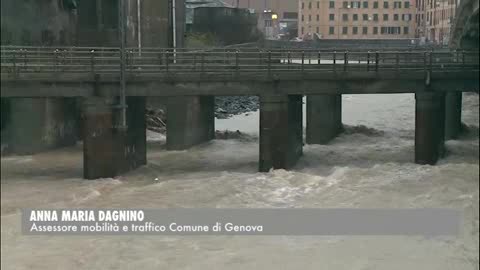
[
  {"x": 191, "y": 78},
  {"x": 164, "y": 72}
]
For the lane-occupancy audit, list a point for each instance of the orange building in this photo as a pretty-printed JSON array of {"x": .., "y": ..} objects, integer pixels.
[{"x": 366, "y": 19}]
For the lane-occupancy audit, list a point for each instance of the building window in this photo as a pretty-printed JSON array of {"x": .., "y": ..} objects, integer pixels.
[
  {"x": 303, "y": 18},
  {"x": 385, "y": 17},
  {"x": 405, "y": 30},
  {"x": 110, "y": 19},
  {"x": 25, "y": 38},
  {"x": 331, "y": 4},
  {"x": 365, "y": 4},
  {"x": 318, "y": 5},
  {"x": 63, "y": 37},
  {"x": 375, "y": 30},
  {"x": 345, "y": 30},
  {"x": 365, "y": 30},
  {"x": 47, "y": 38},
  {"x": 318, "y": 17},
  {"x": 385, "y": 4},
  {"x": 365, "y": 17},
  {"x": 395, "y": 17},
  {"x": 355, "y": 30},
  {"x": 303, "y": 7},
  {"x": 309, "y": 18},
  {"x": 355, "y": 17},
  {"x": 290, "y": 15},
  {"x": 345, "y": 4},
  {"x": 375, "y": 4},
  {"x": 331, "y": 30},
  {"x": 355, "y": 4},
  {"x": 406, "y": 4},
  {"x": 309, "y": 5},
  {"x": 345, "y": 17},
  {"x": 331, "y": 17},
  {"x": 397, "y": 4},
  {"x": 375, "y": 17},
  {"x": 391, "y": 30},
  {"x": 318, "y": 29}
]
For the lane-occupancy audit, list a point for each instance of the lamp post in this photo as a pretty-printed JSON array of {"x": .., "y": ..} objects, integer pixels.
[
  {"x": 139, "y": 28},
  {"x": 174, "y": 30},
  {"x": 122, "y": 25}
]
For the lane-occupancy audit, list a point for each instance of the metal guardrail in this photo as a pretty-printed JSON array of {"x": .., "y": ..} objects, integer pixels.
[{"x": 50, "y": 61}]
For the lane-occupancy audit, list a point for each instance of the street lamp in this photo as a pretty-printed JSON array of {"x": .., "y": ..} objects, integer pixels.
[{"x": 122, "y": 25}]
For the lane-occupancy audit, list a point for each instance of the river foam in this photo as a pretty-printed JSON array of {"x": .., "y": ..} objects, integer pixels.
[{"x": 369, "y": 166}]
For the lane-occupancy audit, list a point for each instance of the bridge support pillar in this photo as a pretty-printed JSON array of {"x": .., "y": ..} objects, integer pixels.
[
  {"x": 429, "y": 127},
  {"x": 324, "y": 118},
  {"x": 39, "y": 124},
  {"x": 281, "y": 131},
  {"x": 453, "y": 115},
  {"x": 135, "y": 140},
  {"x": 108, "y": 151},
  {"x": 190, "y": 121}
]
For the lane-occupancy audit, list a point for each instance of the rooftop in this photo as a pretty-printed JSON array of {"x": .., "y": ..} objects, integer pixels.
[{"x": 192, "y": 4}]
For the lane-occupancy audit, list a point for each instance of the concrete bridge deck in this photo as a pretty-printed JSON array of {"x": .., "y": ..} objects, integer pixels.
[{"x": 68, "y": 72}]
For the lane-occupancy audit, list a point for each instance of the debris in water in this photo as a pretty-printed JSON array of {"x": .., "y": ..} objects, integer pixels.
[{"x": 156, "y": 120}]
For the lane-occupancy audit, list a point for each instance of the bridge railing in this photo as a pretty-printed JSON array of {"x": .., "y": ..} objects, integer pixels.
[{"x": 41, "y": 61}]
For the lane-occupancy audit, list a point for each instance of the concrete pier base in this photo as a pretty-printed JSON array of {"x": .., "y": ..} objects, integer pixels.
[
  {"x": 453, "y": 115},
  {"x": 99, "y": 153},
  {"x": 281, "y": 128},
  {"x": 429, "y": 127},
  {"x": 135, "y": 144},
  {"x": 40, "y": 124},
  {"x": 190, "y": 121},
  {"x": 324, "y": 118},
  {"x": 109, "y": 151}
]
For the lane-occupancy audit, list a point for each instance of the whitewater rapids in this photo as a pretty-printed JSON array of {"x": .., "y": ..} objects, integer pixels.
[{"x": 369, "y": 166}]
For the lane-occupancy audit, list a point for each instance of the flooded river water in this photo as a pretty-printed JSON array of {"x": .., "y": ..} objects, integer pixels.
[{"x": 370, "y": 166}]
